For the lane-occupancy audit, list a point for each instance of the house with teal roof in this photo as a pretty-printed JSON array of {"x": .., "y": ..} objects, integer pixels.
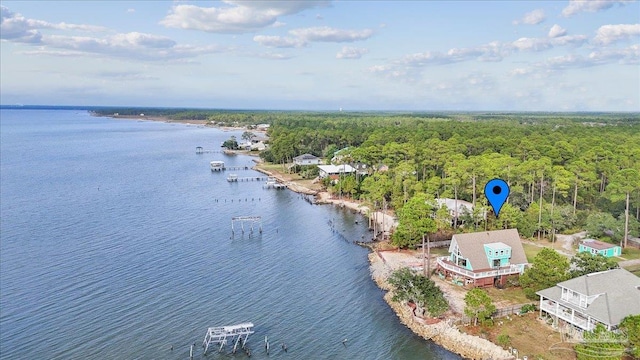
[{"x": 598, "y": 247}]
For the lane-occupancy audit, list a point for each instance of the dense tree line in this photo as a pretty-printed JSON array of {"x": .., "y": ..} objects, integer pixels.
[
  {"x": 560, "y": 169},
  {"x": 566, "y": 171}
]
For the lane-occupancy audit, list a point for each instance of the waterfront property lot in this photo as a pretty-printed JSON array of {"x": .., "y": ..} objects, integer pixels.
[{"x": 530, "y": 336}]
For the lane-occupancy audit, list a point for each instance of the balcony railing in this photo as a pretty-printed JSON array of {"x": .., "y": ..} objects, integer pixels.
[
  {"x": 512, "y": 269},
  {"x": 564, "y": 313}
]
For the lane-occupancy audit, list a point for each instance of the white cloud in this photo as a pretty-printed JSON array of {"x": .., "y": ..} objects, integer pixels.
[
  {"x": 625, "y": 56},
  {"x": 273, "y": 56},
  {"x": 575, "y": 40},
  {"x": 328, "y": 34},
  {"x": 578, "y": 6},
  {"x": 132, "y": 45},
  {"x": 303, "y": 36},
  {"x": 15, "y": 27},
  {"x": 541, "y": 44},
  {"x": 520, "y": 71},
  {"x": 351, "y": 53},
  {"x": 278, "y": 41},
  {"x": 532, "y": 44},
  {"x": 532, "y": 18},
  {"x": 409, "y": 67},
  {"x": 556, "y": 30},
  {"x": 131, "y": 10},
  {"x": 608, "y": 34},
  {"x": 239, "y": 17}
]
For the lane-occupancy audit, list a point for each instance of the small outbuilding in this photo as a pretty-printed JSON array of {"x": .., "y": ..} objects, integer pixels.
[{"x": 598, "y": 247}]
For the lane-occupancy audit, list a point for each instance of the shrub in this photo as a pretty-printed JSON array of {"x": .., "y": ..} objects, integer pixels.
[
  {"x": 527, "y": 308},
  {"x": 504, "y": 340}
]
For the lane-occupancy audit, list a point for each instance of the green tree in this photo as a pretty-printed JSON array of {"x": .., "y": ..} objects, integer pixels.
[
  {"x": 247, "y": 135},
  {"x": 410, "y": 286},
  {"x": 231, "y": 144},
  {"x": 414, "y": 221},
  {"x": 443, "y": 218},
  {"x": 600, "y": 344},
  {"x": 548, "y": 269},
  {"x": 601, "y": 224},
  {"x": 630, "y": 327},
  {"x": 622, "y": 184},
  {"x": 478, "y": 305},
  {"x": 586, "y": 263},
  {"x": 510, "y": 217}
]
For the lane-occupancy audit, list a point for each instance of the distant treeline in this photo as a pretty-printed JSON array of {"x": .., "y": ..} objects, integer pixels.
[{"x": 567, "y": 171}]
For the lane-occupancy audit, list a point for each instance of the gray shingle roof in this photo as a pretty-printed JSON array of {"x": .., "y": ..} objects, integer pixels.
[
  {"x": 305, "y": 157},
  {"x": 472, "y": 246},
  {"x": 618, "y": 290}
]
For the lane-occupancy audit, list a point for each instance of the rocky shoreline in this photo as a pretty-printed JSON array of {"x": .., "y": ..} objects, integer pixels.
[{"x": 443, "y": 333}]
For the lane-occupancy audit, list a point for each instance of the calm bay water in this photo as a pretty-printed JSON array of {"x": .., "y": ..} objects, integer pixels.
[{"x": 115, "y": 243}]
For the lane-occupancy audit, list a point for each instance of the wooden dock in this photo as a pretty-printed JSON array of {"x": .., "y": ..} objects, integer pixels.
[
  {"x": 201, "y": 150},
  {"x": 232, "y": 178}
]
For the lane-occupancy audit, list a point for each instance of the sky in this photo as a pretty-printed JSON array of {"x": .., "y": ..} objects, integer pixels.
[{"x": 324, "y": 55}]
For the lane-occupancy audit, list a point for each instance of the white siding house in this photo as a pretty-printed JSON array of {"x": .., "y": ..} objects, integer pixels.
[{"x": 306, "y": 159}]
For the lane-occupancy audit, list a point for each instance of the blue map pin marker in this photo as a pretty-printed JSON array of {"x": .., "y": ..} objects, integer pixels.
[{"x": 497, "y": 192}]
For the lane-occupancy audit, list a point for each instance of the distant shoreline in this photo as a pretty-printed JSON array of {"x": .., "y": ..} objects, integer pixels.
[
  {"x": 166, "y": 119},
  {"x": 440, "y": 333}
]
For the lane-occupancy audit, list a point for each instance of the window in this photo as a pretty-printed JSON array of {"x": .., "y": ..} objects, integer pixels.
[
  {"x": 496, "y": 263},
  {"x": 462, "y": 262}
]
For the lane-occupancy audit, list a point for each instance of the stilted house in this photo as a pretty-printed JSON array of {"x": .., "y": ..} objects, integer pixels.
[{"x": 483, "y": 259}]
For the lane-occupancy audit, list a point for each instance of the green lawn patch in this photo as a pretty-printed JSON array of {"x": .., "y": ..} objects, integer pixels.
[
  {"x": 531, "y": 251},
  {"x": 635, "y": 269},
  {"x": 630, "y": 253}
]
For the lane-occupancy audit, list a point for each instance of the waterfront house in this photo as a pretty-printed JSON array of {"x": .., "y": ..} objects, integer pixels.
[
  {"x": 604, "y": 297},
  {"x": 598, "y": 247},
  {"x": 483, "y": 258},
  {"x": 334, "y": 171},
  {"x": 306, "y": 159}
]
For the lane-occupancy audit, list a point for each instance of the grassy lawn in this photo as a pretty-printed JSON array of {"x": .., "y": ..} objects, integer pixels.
[
  {"x": 512, "y": 295},
  {"x": 635, "y": 269},
  {"x": 531, "y": 251},
  {"x": 631, "y": 253},
  {"x": 440, "y": 251},
  {"x": 529, "y": 335}
]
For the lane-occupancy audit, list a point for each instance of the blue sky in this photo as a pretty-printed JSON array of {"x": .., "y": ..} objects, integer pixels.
[{"x": 324, "y": 55}]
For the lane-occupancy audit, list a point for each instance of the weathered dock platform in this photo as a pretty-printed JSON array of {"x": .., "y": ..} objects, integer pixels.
[
  {"x": 222, "y": 335},
  {"x": 252, "y": 220},
  {"x": 235, "y": 178}
]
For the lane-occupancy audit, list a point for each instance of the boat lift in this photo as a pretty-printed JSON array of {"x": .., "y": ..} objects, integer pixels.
[
  {"x": 250, "y": 219},
  {"x": 237, "y": 334}
]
